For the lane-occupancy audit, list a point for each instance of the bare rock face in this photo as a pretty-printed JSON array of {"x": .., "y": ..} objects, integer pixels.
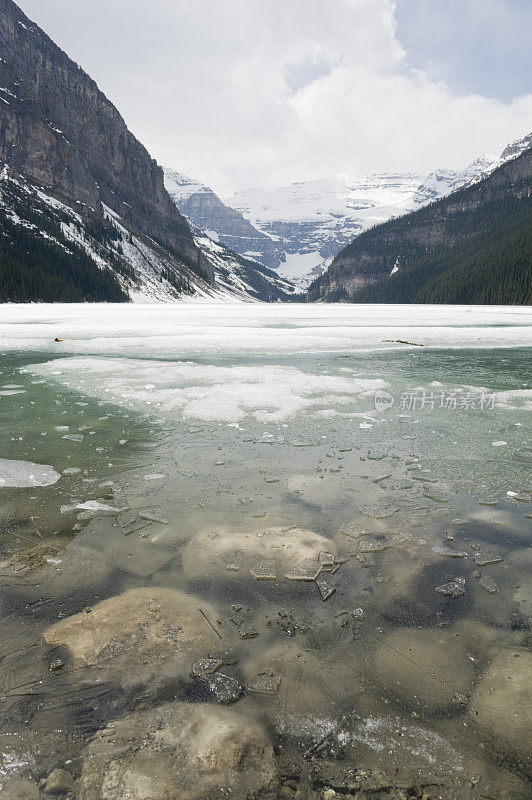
[
  {"x": 180, "y": 751},
  {"x": 136, "y": 636},
  {"x": 203, "y": 207},
  {"x": 502, "y": 702},
  {"x": 59, "y": 131}
]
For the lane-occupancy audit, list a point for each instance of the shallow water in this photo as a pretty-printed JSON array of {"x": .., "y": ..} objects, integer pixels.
[{"x": 208, "y": 451}]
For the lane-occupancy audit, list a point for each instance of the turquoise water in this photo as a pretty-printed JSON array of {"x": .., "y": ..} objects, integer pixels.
[{"x": 214, "y": 476}]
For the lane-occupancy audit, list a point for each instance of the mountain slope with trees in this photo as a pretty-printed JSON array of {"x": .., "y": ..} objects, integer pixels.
[
  {"x": 474, "y": 246},
  {"x": 84, "y": 212}
]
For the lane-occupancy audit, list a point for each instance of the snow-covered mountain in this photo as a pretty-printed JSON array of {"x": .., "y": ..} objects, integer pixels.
[
  {"x": 204, "y": 208},
  {"x": 472, "y": 246},
  {"x": 444, "y": 181},
  {"x": 241, "y": 278},
  {"x": 510, "y": 152},
  {"x": 84, "y": 213},
  {"x": 311, "y": 221},
  {"x": 299, "y": 229},
  {"x": 50, "y": 250}
]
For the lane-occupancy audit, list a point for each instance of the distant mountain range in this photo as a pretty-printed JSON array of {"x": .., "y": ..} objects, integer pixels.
[
  {"x": 299, "y": 229},
  {"x": 84, "y": 213},
  {"x": 472, "y": 246}
]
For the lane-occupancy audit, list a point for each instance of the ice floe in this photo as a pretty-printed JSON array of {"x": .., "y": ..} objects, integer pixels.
[
  {"x": 23, "y": 474},
  {"x": 193, "y": 330},
  {"x": 211, "y": 393}
]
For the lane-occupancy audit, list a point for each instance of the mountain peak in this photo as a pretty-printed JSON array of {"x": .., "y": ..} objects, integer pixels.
[
  {"x": 180, "y": 187},
  {"x": 516, "y": 148}
]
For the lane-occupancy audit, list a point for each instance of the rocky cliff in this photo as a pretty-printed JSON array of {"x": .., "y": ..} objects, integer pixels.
[
  {"x": 224, "y": 224},
  {"x": 61, "y": 133}
]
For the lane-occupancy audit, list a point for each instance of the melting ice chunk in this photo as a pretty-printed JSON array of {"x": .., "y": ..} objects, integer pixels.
[
  {"x": 265, "y": 570},
  {"x": 454, "y": 589},
  {"x": 306, "y": 570},
  {"x": 23, "y": 474}
]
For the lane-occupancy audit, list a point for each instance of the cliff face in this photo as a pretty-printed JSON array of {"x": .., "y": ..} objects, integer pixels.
[
  {"x": 467, "y": 232},
  {"x": 205, "y": 209},
  {"x": 59, "y": 131}
]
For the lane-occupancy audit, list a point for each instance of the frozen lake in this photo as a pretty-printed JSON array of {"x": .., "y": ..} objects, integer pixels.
[{"x": 280, "y": 514}]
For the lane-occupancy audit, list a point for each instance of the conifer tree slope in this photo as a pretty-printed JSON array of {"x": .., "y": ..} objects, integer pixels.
[
  {"x": 474, "y": 246},
  {"x": 84, "y": 212}
]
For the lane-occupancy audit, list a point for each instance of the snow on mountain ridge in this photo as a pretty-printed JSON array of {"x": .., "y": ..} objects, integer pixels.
[
  {"x": 306, "y": 224},
  {"x": 144, "y": 272},
  {"x": 442, "y": 182},
  {"x": 180, "y": 187},
  {"x": 310, "y": 201},
  {"x": 202, "y": 207},
  {"x": 311, "y": 221},
  {"x": 511, "y": 151}
]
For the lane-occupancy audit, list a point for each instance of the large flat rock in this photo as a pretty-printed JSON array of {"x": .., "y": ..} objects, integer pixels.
[
  {"x": 224, "y": 553},
  {"x": 502, "y": 702},
  {"x": 139, "y": 634},
  {"x": 180, "y": 751},
  {"x": 425, "y": 668}
]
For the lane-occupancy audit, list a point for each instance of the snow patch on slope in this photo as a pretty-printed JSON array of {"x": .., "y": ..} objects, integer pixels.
[{"x": 180, "y": 187}]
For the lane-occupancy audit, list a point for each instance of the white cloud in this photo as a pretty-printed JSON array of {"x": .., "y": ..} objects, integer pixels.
[{"x": 249, "y": 92}]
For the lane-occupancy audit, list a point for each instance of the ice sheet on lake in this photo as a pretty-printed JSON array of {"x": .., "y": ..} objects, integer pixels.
[
  {"x": 193, "y": 331},
  {"x": 23, "y": 474},
  {"x": 211, "y": 393}
]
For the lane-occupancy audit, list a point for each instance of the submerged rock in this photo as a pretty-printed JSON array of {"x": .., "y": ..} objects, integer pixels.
[
  {"x": 301, "y": 681},
  {"x": 180, "y": 751},
  {"x": 427, "y": 668},
  {"x": 523, "y": 597},
  {"x": 411, "y": 573},
  {"x": 60, "y": 571},
  {"x": 136, "y": 635},
  {"x": 59, "y": 782},
  {"x": 229, "y": 555},
  {"x": 35, "y": 558},
  {"x": 502, "y": 702},
  {"x": 19, "y": 789}
]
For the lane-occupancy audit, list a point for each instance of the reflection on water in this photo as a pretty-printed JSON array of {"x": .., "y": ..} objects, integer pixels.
[{"x": 250, "y": 582}]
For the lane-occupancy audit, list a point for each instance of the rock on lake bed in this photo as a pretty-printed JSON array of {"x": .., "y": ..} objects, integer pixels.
[
  {"x": 136, "y": 635},
  {"x": 180, "y": 751}
]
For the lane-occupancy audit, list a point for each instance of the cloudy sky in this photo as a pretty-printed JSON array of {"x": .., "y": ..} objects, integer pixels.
[{"x": 245, "y": 93}]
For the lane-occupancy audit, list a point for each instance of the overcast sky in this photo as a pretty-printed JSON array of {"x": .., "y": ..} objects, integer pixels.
[{"x": 242, "y": 93}]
